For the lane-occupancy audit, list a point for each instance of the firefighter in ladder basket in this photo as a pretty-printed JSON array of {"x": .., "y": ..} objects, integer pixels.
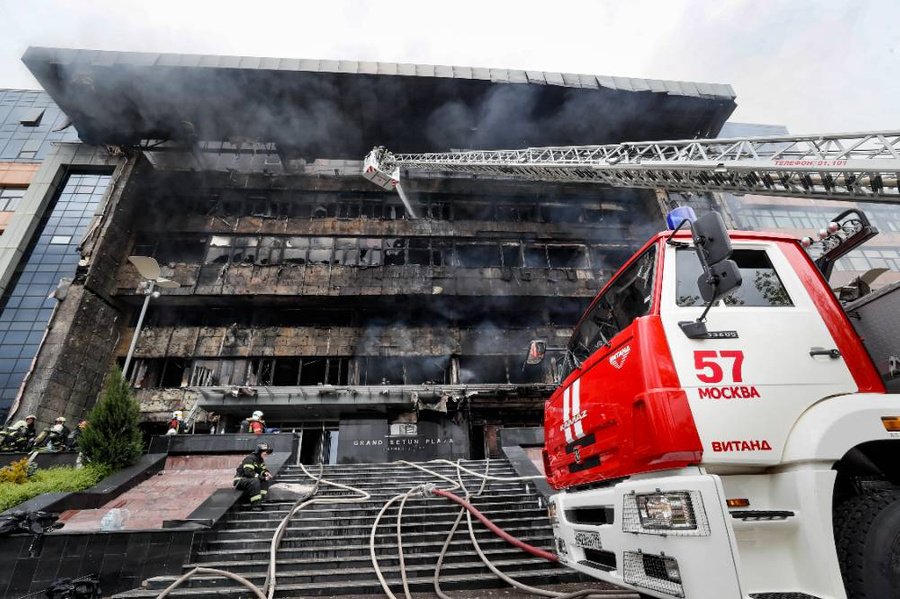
[{"x": 252, "y": 477}]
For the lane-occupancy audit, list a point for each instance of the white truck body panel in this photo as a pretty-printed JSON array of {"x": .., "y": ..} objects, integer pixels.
[{"x": 747, "y": 421}]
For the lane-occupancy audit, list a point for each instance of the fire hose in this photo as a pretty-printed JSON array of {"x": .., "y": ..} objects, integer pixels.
[
  {"x": 426, "y": 490},
  {"x": 429, "y": 490}
]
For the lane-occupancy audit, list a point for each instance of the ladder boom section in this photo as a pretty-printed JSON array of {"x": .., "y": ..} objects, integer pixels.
[{"x": 853, "y": 166}]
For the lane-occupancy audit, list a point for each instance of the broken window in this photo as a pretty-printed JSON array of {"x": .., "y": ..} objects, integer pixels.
[
  {"x": 219, "y": 250},
  {"x": 345, "y": 251},
  {"x": 31, "y": 117},
  {"x": 299, "y": 209},
  {"x": 437, "y": 210},
  {"x": 441, "y": 252},
  {"x": 175, "y": 373},
  {"x": 473, "y": 211},
  {"x": 561, "y": 213},
  {"x": 369, "y": 252},
  {"x": 203, "y": 373},
  {"x": 338, "y": 368},
  {"x": 287, "y": 372},
  {"x": 482, "y": 369},
  {"x": 245, "y": 249},
  {"x": 181, "y": 248},
  {"x": 521, "y": 373},
  {"x": 394, "y": 252},
  {"x": 260, "y": 371},
  {"x": 476, "y": 255},
  {"x": 323, "y": 207},
  {"x": 261, "y": 206},
  {"x": 372, "y": 208},
  {"x": 427, "y": 370},
  {"x": 295, "y": 250},
  {"x": 269, "y": 251},
  {"x": 348, "y": 208},
  {"x": 394, "y": 210},
  {"x": 320, "y": 250},
  {"x": 511, "y": 254},
  {"x": 419, "y": 251},
  {"x": 313, "y": 371},
  {"x": 535, "y": 256},
  {"x": 381, "y": 370},
  {"x": 567, "y": 256},
  {"x": 144, "y": 244}
]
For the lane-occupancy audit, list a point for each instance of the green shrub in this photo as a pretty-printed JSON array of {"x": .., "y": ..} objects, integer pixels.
[
  {"x": 113, "y": 437},
  {"x": 52, "y": 480}
]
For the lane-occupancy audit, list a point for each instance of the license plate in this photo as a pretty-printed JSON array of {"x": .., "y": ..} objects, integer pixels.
[{"x": 588, "y": 539}]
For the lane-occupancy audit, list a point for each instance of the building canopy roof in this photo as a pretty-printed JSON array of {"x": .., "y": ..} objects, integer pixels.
[{"x": 341, "y": 109}]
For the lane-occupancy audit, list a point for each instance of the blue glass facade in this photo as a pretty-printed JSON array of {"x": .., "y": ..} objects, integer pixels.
[
  {"x": 26, "y": 309},
  {"x": 27, "y": 123}
]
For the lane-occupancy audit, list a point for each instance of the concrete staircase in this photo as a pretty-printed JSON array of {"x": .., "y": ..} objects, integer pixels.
[{"x": 326, "y": 549}]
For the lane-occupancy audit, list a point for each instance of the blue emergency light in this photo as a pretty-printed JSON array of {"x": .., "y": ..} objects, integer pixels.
[{"x": 679, "y": 215}]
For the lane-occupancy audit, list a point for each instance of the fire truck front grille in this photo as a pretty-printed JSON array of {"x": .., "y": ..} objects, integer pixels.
[
  {"x": 654, "y": 572},
  {"x": 599, "y": 560}
]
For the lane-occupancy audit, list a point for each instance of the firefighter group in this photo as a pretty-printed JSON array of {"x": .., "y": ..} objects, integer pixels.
[
  {"x": 255, "y": 425},
  {"x": 23, "y": 436}
]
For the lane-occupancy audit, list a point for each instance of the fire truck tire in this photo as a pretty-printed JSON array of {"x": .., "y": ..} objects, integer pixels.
[{"x": 867, "y": 536}]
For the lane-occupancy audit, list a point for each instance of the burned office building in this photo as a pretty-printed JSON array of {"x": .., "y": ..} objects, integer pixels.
[{"x": 381, "y": 330}]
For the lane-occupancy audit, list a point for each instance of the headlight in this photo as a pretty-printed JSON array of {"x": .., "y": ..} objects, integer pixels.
[{"x": 666, "y": 511}]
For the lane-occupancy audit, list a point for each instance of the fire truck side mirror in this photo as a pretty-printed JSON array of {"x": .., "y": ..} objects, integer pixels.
[
  {"x": 713, "y": 246},
  {"x": 719, "y": 280},
  {"x": 711, "y": 239},
  {"x": 536, "y": 351}
]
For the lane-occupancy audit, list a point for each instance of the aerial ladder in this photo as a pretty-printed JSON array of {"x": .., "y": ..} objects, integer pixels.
[
  {"x": 847, "y": 166},
  {"x": 723, "y": 427}
]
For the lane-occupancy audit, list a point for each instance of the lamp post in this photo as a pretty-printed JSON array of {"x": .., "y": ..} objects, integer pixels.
[{"x": 148, "y": 268}]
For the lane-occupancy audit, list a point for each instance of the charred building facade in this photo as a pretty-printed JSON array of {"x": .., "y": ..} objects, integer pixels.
[{"x": 382, "y": 331}]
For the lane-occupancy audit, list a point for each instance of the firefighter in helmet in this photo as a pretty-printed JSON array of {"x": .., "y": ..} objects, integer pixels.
[
  {"x": 255, "y": 425},
  {"x": 177, "y": 425},
  {"x": 20, "y": 435},
  {"x": 252, "y": 477},
  {"x": 54, "y": 437}
]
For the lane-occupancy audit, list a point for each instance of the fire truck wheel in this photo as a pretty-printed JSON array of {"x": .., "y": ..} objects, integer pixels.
[{"x": 867, "y": 535}]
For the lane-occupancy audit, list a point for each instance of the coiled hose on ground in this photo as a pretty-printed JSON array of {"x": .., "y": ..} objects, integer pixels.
[
  {"x": 268, "y": 590},
  {"x": 428, "y": 490}
]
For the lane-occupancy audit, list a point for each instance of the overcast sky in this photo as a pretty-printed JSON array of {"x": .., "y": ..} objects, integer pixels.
[{"x": 815, "y": 66}]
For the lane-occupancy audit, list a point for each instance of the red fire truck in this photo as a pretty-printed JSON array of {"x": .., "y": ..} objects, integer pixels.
[{"x": 724, "y": 427}]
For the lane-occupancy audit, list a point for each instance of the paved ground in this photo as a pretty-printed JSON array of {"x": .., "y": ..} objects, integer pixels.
[{"x": 184, "y": 483}]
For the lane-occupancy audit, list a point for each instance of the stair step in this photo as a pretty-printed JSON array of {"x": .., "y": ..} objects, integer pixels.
[
  {"x": 291, "y": 540},
  {"x": 542, "y": 576},
  {"x": 386, "y": 557},
  {"x": 410, "y": 524},
  {"x": 359, "y": 574},
  {"x": 280, "y": 510},
  {"x": 304, "y": 520},
  {"x": 461, "y": 539}
]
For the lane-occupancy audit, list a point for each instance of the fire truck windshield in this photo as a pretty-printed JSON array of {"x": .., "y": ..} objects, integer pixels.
[{"x": 629, "y": 296}]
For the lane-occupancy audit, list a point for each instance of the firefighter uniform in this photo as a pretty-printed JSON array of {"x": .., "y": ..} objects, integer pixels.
[{"x": 252, "y": 476}]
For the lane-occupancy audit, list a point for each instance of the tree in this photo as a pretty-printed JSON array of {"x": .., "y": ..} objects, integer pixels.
[{"x": 113, "y": 437}]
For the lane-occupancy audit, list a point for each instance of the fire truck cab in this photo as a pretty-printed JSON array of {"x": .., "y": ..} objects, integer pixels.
[{"x": 721, "y": 430}]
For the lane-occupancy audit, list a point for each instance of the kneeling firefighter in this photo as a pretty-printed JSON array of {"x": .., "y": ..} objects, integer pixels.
[{"x": 252, "y": 477}]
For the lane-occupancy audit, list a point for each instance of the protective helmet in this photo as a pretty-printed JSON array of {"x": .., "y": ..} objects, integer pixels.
[
  {"x": 31, "y": 416},
  {"x": 61, "y": 420},
  {"x": 177, "y": 415},
  {"x": 257, "y": 414},
  {"x": 263, "y": 448}
]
